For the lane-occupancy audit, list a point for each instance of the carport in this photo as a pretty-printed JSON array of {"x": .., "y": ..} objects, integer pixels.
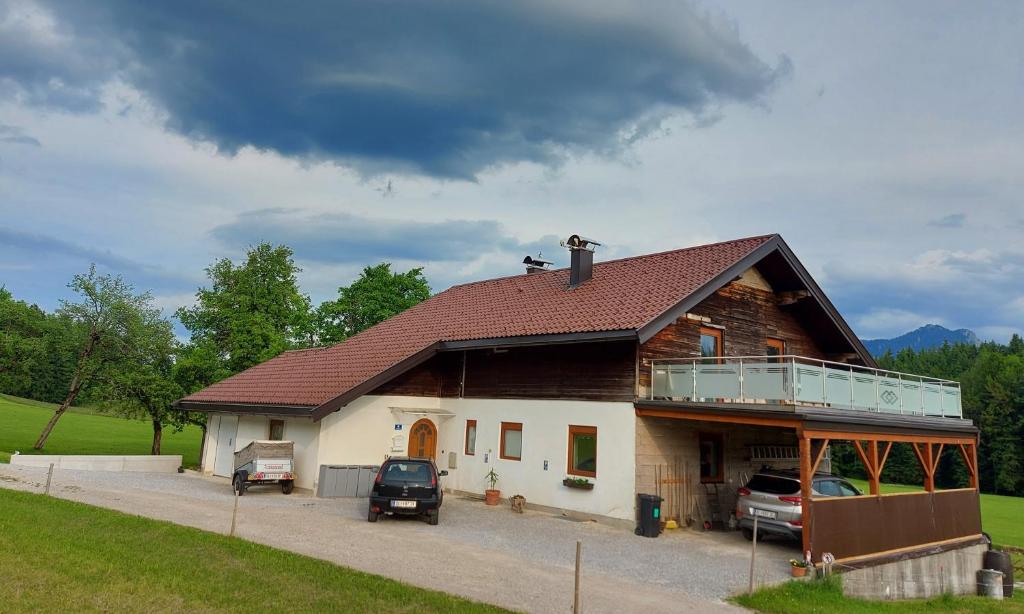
[{"x": 854, "y": 530}]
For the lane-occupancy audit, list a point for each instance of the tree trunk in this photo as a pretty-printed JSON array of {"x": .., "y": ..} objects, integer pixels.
[
  {"x": 73, "y": 390},
  {"x": 158, "y": 433},
  {"x": 68, "y": 400}
]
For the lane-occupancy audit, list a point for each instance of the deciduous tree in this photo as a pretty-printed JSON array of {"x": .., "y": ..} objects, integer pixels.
[{"x": 377, "y": 295}]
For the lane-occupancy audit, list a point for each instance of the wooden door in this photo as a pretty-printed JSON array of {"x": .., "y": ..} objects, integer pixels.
[{"x": 423, "y": 439}]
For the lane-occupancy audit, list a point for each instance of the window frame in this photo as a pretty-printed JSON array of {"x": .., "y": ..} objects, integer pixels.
[
  {"x": 717, "y": 333},
  {"x": 465, "y": 442},
  {"x": 576, "y": 429},
  {"x": 270, "y": 429},
  {"x": 719, "y": 478},
  {"x": 510, "y": 426}
]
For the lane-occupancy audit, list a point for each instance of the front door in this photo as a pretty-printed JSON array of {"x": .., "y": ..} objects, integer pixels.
[
  {"x": 423, "y": 439},
  {"x": 224, "y": 462}
]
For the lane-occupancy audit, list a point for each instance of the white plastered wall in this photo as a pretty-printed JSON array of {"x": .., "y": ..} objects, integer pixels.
[
  {"x": 302, "y": 431},
  {"x": 364, "y": 433}
]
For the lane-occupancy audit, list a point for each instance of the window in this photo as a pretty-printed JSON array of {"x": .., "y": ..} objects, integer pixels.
[
  {"x": 583, "y": 450},
  {"x": 511, "y": 440},
  {"x": 828, "y": 488},
  {"x": 470, "y": 437},
  {"x": 711, "y": 458},
  {"x": 710, "y": 342},
  {"x": 774, "y": 347},
  {"x": 847, "y": 490},
  {"x": 276, "y": 430}
]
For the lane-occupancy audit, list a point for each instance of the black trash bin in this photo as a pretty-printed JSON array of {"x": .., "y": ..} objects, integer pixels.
[
  {"x": 1001, "y": 561},
  {"x": 648, "y": 515}
]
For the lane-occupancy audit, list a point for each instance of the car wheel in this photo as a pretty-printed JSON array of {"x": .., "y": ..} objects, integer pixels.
[
  {"x": 238, "y": 485},
  {"x": 287, "y": 486},
  {"x": 433, "y": 516},
  {"x": 748, "y": 534},
  {"x": 372, "y": 516}
]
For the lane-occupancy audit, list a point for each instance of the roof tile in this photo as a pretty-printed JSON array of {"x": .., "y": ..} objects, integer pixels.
[{"x": 623, "y": 294}]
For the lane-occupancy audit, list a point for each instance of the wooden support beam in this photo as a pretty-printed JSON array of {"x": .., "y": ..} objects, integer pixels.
[
  {"x": 868, "y": 465},
  {"x": 938, "y": 457},
  {"x": 905, "y": 438},
  {"x": 806, "y": 517},
  {"x": 929, "y": 467},
  {"x": 885, "y": 457},
  {"x": 726, "y": 418},
  {"x": 977, "y": 468},
  {"x": 972, "y": 469},
  {"x": 876, "y": 477},
  {"x": 821, "y": 455}
]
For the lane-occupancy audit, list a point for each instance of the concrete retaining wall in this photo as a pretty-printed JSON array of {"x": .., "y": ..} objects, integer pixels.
[
  {"x": 953, "y": 571},
  {"x": 165, "y": 463}
]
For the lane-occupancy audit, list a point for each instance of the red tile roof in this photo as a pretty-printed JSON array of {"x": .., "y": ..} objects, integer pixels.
[{"x": 623, "y": 295}]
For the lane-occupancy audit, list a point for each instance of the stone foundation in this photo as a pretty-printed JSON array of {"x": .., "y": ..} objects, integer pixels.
[{"x": 951, "y": 571}]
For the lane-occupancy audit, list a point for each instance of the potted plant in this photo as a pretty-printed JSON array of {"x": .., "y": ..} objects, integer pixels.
[
  {"x": 580, "y": 483},
  {"x": 798, "y": 567},
  {"x": 492, "y": 495}
]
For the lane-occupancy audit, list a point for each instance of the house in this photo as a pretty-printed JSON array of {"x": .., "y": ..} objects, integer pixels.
[{"x": 677, "y": 373}]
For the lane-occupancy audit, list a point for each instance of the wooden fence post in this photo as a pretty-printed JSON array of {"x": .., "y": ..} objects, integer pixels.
[
  {"x": 49, "y": 478},
  {"x": 234, "y": 514},
  {"x": 576, "y": 594}
]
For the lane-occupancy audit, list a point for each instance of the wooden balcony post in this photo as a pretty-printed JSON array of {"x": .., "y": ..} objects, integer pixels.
[
  {"x": 875, "y": 470},
  {"x": 806, "y": 517},
  {"x": 929, "y": 469},
  {"x": 976, "y": 474}
]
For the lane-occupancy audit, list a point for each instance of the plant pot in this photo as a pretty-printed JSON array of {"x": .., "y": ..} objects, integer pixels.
[
  {"x": 798, "y": 572},
  {"x": 492, "y": 497},
  {"x": 580, "y": 485}
]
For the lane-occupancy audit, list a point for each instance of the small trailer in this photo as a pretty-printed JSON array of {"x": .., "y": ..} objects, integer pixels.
[{"x": 264, "y": 462}]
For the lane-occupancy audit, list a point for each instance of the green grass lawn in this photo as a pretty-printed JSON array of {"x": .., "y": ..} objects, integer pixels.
[
  {"x": 85, "y": 431},
  {"x": 58, "y": 555},
  {"x": 1000, "y": 516},
  {"x": 827, "y": 596}
]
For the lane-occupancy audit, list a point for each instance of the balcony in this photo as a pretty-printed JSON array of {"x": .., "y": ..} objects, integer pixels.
[{"x": 797, "y": 380}]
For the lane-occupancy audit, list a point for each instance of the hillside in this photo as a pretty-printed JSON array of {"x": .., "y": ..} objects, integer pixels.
[{"x": 927, "y": 337}]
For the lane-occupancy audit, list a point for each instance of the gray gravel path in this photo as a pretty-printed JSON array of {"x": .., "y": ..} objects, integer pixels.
[{"x": 520, "y": 561}]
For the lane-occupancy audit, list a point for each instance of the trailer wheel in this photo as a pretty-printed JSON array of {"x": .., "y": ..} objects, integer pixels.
[
  {"x": 287, "y": 486},
  {"x": 238, "y": 484}
]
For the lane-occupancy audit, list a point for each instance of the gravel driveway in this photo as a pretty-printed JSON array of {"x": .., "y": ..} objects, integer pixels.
[{"x": 520, "y": 561}]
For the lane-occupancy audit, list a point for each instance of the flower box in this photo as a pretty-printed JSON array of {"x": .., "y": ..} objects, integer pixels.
[{"x": 579, "y": 484}]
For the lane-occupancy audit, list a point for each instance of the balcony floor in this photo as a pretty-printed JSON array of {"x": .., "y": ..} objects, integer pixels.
[{"x": 812, "y": 417}]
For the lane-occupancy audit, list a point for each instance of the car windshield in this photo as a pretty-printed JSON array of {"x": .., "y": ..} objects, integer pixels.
[
  {"x": 773, "y": 485},
  {"x": 406, "y": 472}
]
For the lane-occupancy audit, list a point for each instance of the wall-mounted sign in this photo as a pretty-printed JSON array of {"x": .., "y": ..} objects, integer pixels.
[{"x": 398, "y": 427}]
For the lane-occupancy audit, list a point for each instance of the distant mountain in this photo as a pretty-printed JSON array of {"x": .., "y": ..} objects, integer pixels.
[{"x": 928, "y": 336}]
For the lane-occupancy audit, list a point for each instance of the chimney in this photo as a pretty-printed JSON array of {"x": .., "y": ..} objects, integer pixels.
[
  {"x": 581, "y": 264},
  {"x": 536, "y": 265}
]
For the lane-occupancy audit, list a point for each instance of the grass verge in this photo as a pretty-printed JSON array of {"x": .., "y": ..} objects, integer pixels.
[
  {"x": 822, "y": 596},
  {"x": 59, "y": 555},
  {"x": 84, "y": 431},
  {"x": 1000, "y": 515}
]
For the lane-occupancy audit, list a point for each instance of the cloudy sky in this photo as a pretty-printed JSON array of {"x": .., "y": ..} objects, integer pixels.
[{"x": 884, "y": 141}]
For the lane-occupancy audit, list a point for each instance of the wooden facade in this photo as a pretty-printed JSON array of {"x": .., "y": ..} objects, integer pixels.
[
  {"x": 747, "y": 312},
  {"x": 578, "y": 371}
]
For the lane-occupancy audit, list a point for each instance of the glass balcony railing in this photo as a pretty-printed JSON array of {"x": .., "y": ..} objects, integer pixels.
[{"x": 797, "y": 380}]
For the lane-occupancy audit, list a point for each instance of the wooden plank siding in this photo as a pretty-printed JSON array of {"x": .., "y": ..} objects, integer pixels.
[
  {"x": 585, "y": 371},
  {"x": 748, "y": 316}
]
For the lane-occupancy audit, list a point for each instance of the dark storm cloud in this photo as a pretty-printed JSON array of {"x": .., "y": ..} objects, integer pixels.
[
  {"x": 341, "y": 238},
  {"x": 444, "y": 88}
]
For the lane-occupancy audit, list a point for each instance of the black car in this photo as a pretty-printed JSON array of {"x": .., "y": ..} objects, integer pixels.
[{"x": 406, "y": 486}]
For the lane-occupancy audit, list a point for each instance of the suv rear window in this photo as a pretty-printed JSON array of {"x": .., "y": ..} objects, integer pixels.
[
  {"x": 773, "y": 485},
  {"x": 406, "y": 472}
]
